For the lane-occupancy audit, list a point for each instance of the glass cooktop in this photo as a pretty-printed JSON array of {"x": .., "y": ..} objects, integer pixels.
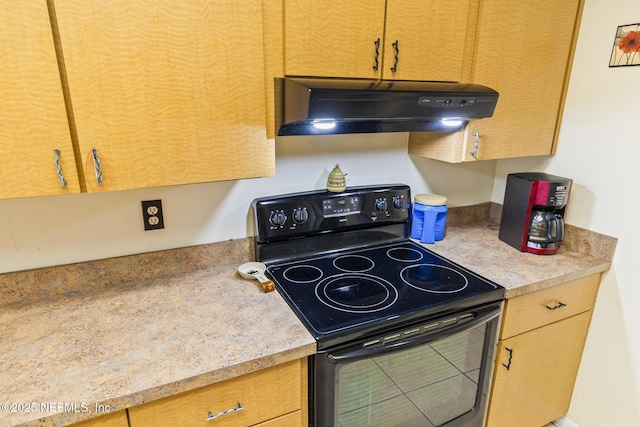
[{"x": 359, "y": 288}]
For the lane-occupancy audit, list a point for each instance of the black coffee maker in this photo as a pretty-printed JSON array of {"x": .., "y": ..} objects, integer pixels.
[{"x": 533, "y": 212}]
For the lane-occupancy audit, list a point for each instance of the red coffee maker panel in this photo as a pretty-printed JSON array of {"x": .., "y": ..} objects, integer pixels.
[{"x": 533, "y": 212}]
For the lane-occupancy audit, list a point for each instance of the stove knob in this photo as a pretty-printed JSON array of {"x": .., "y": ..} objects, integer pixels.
[
  {"x": 398, "y": 202},
  {"x": 300, "y": 215},
  {"x": 381, "y": 205},
  {"x": 277, "y": 218}
]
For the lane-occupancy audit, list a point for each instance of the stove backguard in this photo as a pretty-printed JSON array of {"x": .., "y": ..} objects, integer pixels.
[{"x": 296, "y": 225}]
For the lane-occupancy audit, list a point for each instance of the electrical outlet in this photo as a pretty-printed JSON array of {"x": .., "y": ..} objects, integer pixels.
[{"x": 152, "y": 215}]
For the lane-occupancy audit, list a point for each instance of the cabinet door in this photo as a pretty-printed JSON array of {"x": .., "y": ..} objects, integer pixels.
[
  {"x": 166, "y": 92},
  {"x": 33, "y": 120},
  {"x": 328, "y": 38},
  {"x": 523, "y": 51},
  {"x": 535, "y": 374},
  {"x": 429, "y": 38}
]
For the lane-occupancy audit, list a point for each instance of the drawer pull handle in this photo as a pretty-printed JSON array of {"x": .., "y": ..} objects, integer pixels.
[
  {"x": 212, "y": 417},
  {"x": 508, "y": 365},
  {"x": 555, "y": 307}
]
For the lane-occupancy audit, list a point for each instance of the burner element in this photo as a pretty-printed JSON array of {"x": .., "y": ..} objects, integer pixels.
[
  {"x": 353, "y": 263},
  {"x": 356, "y": 293},
  {"x": 434, "y": 278},
  {"x": 404, "y": 254},
  {"x": 302, "y": 273}
]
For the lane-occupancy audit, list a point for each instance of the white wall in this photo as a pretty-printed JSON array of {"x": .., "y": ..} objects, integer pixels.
[
  {"x": 599, "y": 148},
  {"x": 44, "y": 231}
]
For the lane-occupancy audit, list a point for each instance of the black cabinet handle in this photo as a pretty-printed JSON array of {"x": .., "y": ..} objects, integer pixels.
[
  {"x": 395, "y": 64},
  {"x": 377, "y": 45},
  {"x": 508, "y": 365},
  {"x": 555, "y": 307}
]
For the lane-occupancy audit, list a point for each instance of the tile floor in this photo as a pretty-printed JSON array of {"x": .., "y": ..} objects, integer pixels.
[{"x": 413, "y": 388}]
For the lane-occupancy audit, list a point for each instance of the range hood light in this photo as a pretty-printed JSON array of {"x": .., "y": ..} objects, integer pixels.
[
  {"x": 324, "y": 124},
  {"x": 323, "y": 106},
  {"x": 452, "y": 122}
]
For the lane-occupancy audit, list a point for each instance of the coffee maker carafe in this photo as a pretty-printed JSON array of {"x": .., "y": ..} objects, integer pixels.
[{"x": 533, "y": 212}]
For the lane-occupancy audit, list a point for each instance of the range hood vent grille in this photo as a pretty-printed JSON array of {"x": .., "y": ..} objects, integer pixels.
[{"x": 339, "y": 106}]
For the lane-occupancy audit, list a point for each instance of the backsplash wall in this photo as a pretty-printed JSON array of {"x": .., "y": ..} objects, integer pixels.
[{"x": 45, "y": 231}]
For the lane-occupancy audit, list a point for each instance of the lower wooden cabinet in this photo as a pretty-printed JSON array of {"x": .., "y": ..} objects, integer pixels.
[
  {"x": 536, "y": 372},
  {"x": 539, "y": 351},
  {"x": 117, "y": 419},
  {"x": 289, "y": 420},
  {"x": 273, "y": 397}
]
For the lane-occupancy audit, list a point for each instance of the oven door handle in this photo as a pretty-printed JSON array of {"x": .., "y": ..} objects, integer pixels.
[{"x": 367, "y": 353}]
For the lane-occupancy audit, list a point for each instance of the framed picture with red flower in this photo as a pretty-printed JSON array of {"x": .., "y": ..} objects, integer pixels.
[{"x": 626, "y": 46}]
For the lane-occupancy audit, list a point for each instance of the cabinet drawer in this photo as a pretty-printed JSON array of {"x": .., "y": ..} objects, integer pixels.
[
  {"x": 293, "y": 419},
  {"x": 263, "y": 395},
  {"x": 546, "y": 306},
  {"x": 117, "y": 419}
]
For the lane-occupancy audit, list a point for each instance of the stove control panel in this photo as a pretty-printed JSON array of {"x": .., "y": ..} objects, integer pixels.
[{"x": 311, "y": 213}]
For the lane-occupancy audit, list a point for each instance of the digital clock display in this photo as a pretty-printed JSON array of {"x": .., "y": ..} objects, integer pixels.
[{"x": 341, "y": 206}]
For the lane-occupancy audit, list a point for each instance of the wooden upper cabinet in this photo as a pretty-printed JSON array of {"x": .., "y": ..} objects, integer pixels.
[
  {"x": 166, "y": 92},
  {"x": 430, "y": 39},
  {"x": 329, "y": 38},
  {"x": 33, "y": 121},
  {"x": 523, "y": 50},
  {"x": 393, "y": 39}
]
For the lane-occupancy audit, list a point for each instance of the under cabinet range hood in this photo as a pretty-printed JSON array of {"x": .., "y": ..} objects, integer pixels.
[{"x": 337, "y": 106}]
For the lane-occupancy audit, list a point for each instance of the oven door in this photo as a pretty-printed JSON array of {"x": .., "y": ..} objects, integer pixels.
[{"x": 435, "y": 372}]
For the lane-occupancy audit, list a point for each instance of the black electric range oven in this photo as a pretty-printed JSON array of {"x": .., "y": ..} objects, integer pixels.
[{"x": 404, "y": 336}]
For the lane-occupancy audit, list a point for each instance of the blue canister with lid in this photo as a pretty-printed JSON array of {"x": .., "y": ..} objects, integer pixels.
[{"x": 429, "y": 217}]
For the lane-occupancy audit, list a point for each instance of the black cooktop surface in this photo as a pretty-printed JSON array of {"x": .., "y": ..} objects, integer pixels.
[{"x": 360, "y": 288}]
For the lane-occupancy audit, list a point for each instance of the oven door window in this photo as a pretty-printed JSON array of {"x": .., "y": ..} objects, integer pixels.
[
  {"x": 428, "y": 385},
  {"x": 436, "y": 373}
]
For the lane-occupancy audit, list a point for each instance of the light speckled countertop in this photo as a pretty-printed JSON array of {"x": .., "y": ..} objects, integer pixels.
[
  {"x": 187, "y": 321},
  {"x": 471, "y": 240},
  {"x": 124, "y": 331}
]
